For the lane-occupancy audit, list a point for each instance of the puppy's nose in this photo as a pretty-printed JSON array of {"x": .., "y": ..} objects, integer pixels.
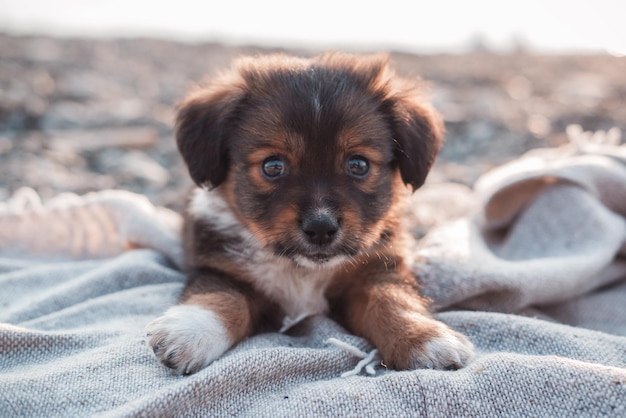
[{"x": 320, "y": 229}]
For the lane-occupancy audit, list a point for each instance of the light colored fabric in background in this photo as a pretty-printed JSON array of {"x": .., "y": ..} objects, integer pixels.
[{"x": 535, "y": 276}]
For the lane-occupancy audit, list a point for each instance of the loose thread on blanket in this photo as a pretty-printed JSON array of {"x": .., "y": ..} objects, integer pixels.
[{"x": 369, "y": 361}]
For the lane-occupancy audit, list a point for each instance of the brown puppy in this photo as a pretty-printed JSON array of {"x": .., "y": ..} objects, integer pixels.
[{"x": 303, "y": 167}]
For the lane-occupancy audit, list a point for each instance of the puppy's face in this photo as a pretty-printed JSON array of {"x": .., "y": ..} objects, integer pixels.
[{"x": 310, "y": 154}]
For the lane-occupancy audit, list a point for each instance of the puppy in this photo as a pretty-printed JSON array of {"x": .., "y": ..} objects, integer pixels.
[{"x": 302, "y": 167}]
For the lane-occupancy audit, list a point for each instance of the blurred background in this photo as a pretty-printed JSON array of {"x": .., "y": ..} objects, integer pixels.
[{"x": 88, "y": 89}]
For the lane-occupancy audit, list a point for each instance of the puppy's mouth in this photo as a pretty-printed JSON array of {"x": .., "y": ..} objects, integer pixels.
[
  {"x": 311, "y": 257},
  {"x": 320, "y": 260},
  {"x": 319, "y": 242},
  {"x": 316, "y": 257}
]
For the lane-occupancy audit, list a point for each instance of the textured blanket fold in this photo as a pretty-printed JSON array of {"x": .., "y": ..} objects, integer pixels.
[
  {"x": 530, "y": 264},
  {"x": 551, "y": 228}
]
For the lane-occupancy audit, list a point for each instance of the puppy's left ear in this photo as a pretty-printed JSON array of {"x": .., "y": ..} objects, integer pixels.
[
  {"x": 202, "y": 129},
  {"x": 418, "y": 134}
]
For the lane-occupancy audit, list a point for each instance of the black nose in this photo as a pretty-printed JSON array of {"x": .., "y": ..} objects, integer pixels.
[{"x": 320, "y": 229}]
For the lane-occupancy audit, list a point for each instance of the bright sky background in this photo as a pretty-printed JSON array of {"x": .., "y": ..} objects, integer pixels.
[{"x": 422, "y": 26}]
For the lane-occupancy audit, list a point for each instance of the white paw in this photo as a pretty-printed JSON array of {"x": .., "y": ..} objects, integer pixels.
[
  {"x": 187, "y": 338},
  {"x": 447, "y": 350}
]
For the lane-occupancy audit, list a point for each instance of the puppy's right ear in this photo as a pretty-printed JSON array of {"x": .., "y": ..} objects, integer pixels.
[{"x": 202, "y": 128}]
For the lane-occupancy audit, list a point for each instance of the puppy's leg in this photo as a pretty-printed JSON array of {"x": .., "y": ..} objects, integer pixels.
[
  {"x": 211, "y": 318},
  {"x": 389, "y": 313}
]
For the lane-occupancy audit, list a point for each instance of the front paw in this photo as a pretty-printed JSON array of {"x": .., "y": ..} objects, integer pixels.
[
  {"x": 433, "y": 346},
  {"x": 187, "y": 338}
]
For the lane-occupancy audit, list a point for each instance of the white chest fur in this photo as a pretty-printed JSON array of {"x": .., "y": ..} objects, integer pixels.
[{"x": 299, "y": 290}]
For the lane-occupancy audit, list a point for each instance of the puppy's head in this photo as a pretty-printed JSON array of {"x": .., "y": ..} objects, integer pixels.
[{"x": 310, "y": 154}]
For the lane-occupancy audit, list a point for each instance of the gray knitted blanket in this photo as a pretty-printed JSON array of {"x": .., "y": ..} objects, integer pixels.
[{"x": 530, "y": 265}]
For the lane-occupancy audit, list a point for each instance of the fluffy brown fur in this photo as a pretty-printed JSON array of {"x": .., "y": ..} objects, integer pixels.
[{"x": 303, "y": 167}]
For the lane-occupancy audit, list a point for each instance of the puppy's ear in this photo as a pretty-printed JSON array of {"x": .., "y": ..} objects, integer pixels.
[
  {"x": 418, "y": 133},
  {"x": 202, "y": 128}
]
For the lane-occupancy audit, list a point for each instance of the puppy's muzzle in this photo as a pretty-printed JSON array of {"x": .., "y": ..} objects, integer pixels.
[{"x": 320, "y": 229}]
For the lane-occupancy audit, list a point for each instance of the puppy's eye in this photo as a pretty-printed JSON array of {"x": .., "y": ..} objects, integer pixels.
[
  {"x": 273, "y": 167},
  {"x": 358, "y": 166}
]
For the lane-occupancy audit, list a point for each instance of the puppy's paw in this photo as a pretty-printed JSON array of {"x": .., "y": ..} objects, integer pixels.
[
  {"x": 187, "y": 338},
  {"x": 436, "y": 347}
]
